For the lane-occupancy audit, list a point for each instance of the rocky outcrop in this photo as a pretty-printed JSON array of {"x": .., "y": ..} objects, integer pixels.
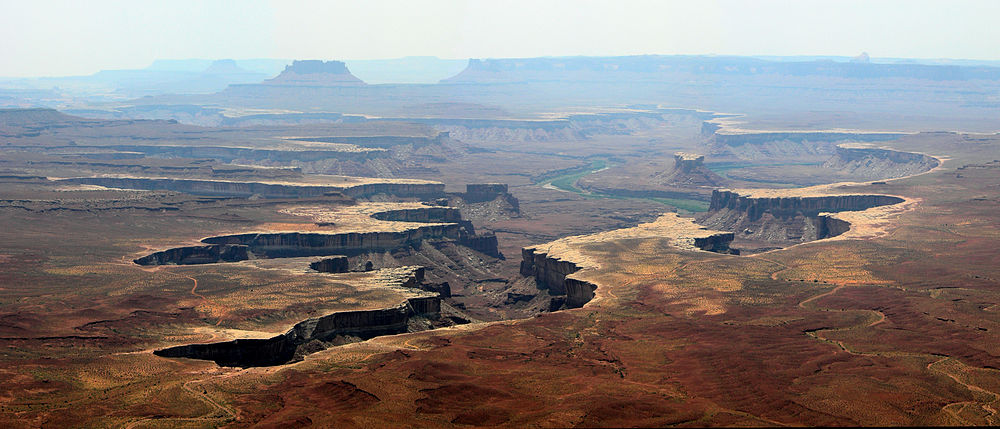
[
  {"x": 783, "y": 221},
  {"x": 265, "y": 190},
  {"x": 482, "y": 243},
  {"x": 315, "y": 73},
  {"x": 688, "y": 162},
  {"x": 336, "y": 264},
  {"x": 229, "y": 154},
  {"x": 197, "y": 255},
  {"x": 718, "y": 243},
  {"x": 294, "y": 244},
  {"x": 281, "y": 349},
  {"x": 423, "y": 214},
  {"x": 423, "y": 191},
  {"x": 803, "y": 146},
  {"x": 211, "y": 187},
  {"x": 875, "y": 163},
  {"x": 755, "y": 207},
  {"x": 382, "y": 142},
  {"x": 335, "y": 328},
  {"x": 551, "y": 273},
  {"x": 477, "y": 193}
]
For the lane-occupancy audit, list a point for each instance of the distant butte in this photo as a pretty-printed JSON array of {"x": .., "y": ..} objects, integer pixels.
[{"x": 316, "y": 73}]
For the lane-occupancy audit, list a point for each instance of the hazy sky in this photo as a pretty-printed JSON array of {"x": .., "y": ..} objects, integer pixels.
[{"x": 54, "y": 38}]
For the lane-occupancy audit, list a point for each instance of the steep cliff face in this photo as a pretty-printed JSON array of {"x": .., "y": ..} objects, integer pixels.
[
  {"x": 293, "y": 244},
  {"x": 335, "y": 328},
  {"x": 551, "y": 273},
  {"x": 197, "y": 255},
  {"x": 755, "y": 207},
  {"x": 477, "y": 193},
  {"x": 423, "y": 191},
  {"x": 210, "y": 187},
  {"x": 762, "y": 223},
  {"x": 280, "y": 349},
  {"x": 315, "y": 73},
  {"x": 428, "y": 215},
  {"x": 803, "y": 146},
  {"x": 266, "y": 190},
  {"x": 874, "y": 163},
  {"x": 230, "y": 154},
  {"x": 336, "y": 264}
]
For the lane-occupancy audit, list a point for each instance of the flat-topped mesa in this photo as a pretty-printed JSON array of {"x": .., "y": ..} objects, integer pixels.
[
  {"x": 335, "y": 264},
  {"x": 755, "y": 207},
  {"x": 335, "y": 328},
  {"x": 422, "y": 214},
  {"x": 191, "y": 255},
  {"x": 225, "y": 188},
  {"x": 876, "y": 163},
  {"x": 315, "y": 73},
  {"x": 295, "y": 244},
  {"x": 220, "y": 188},
  {"x": 553, "y": 264},
  {"x": 767, "y": 222},
  {"x": 486, "y": 192},
  {"x": 423, "y": 191},
  {"x": 480, "y": 192},
  {"x": 688, "y": 162}
]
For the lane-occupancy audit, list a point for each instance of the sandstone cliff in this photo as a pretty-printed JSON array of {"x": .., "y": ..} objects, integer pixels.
[
  {"x": 335, "y": 328},
  {"x": 197, "y": 255},
  {"x": 785, "y": 220}
]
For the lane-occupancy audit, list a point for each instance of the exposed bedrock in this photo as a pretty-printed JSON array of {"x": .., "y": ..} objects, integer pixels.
[
  {"x": 718, "y": 243},
  {"x": 422, "y": 214},
  {"x": 872, "y": 163},
  {"x": 384, "y": 142},
  {"x": 210, "y": 187},
  {"x": 759, "y": 138},
  {"x": 414, "y": 314},
  {"x": 481, "y": 192},
  {"x": 336, "y": 264},
  {"x": 340, "y": 327},
  {"x": 755, "y": 207},
  {"x": 197, "y": 255},
  {"x": 802, "y": 146},
  {"x": 266, "y": 190},
  {"x": 688, "y": 162},
  {"x": 551, "y": 273},
  {"x": 229, "y": 154},
  {"x": 763, "y": 223},
  {"x": 294, "y": 244},
  {"x": 424, "y": 191}
]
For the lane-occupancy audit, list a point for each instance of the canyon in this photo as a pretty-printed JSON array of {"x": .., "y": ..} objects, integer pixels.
[{"x": 312, "y": 249}]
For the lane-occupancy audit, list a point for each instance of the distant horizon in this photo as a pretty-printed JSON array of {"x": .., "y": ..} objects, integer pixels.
[
  {"x": 803, "y": 57},
  {"x": 67, "y": 38}
]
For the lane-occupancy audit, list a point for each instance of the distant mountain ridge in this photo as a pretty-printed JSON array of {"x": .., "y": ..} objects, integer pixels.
[{"x": 653, "y": 66}]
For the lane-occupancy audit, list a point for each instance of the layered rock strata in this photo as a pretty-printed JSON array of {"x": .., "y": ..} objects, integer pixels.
[
  {"x": 875, "y": 163},
  {"x": 266, "y": 190},
  {"x": 785, "y": 220},
  {"x": 556, "y": 265},
  {"x": 294, "y": 244},
  {"x": 755, "y": 207},
  {"x": 336, "y": 264},
  {"x": 344, "y": 326},
  {"x": 197, "y": 255}
]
